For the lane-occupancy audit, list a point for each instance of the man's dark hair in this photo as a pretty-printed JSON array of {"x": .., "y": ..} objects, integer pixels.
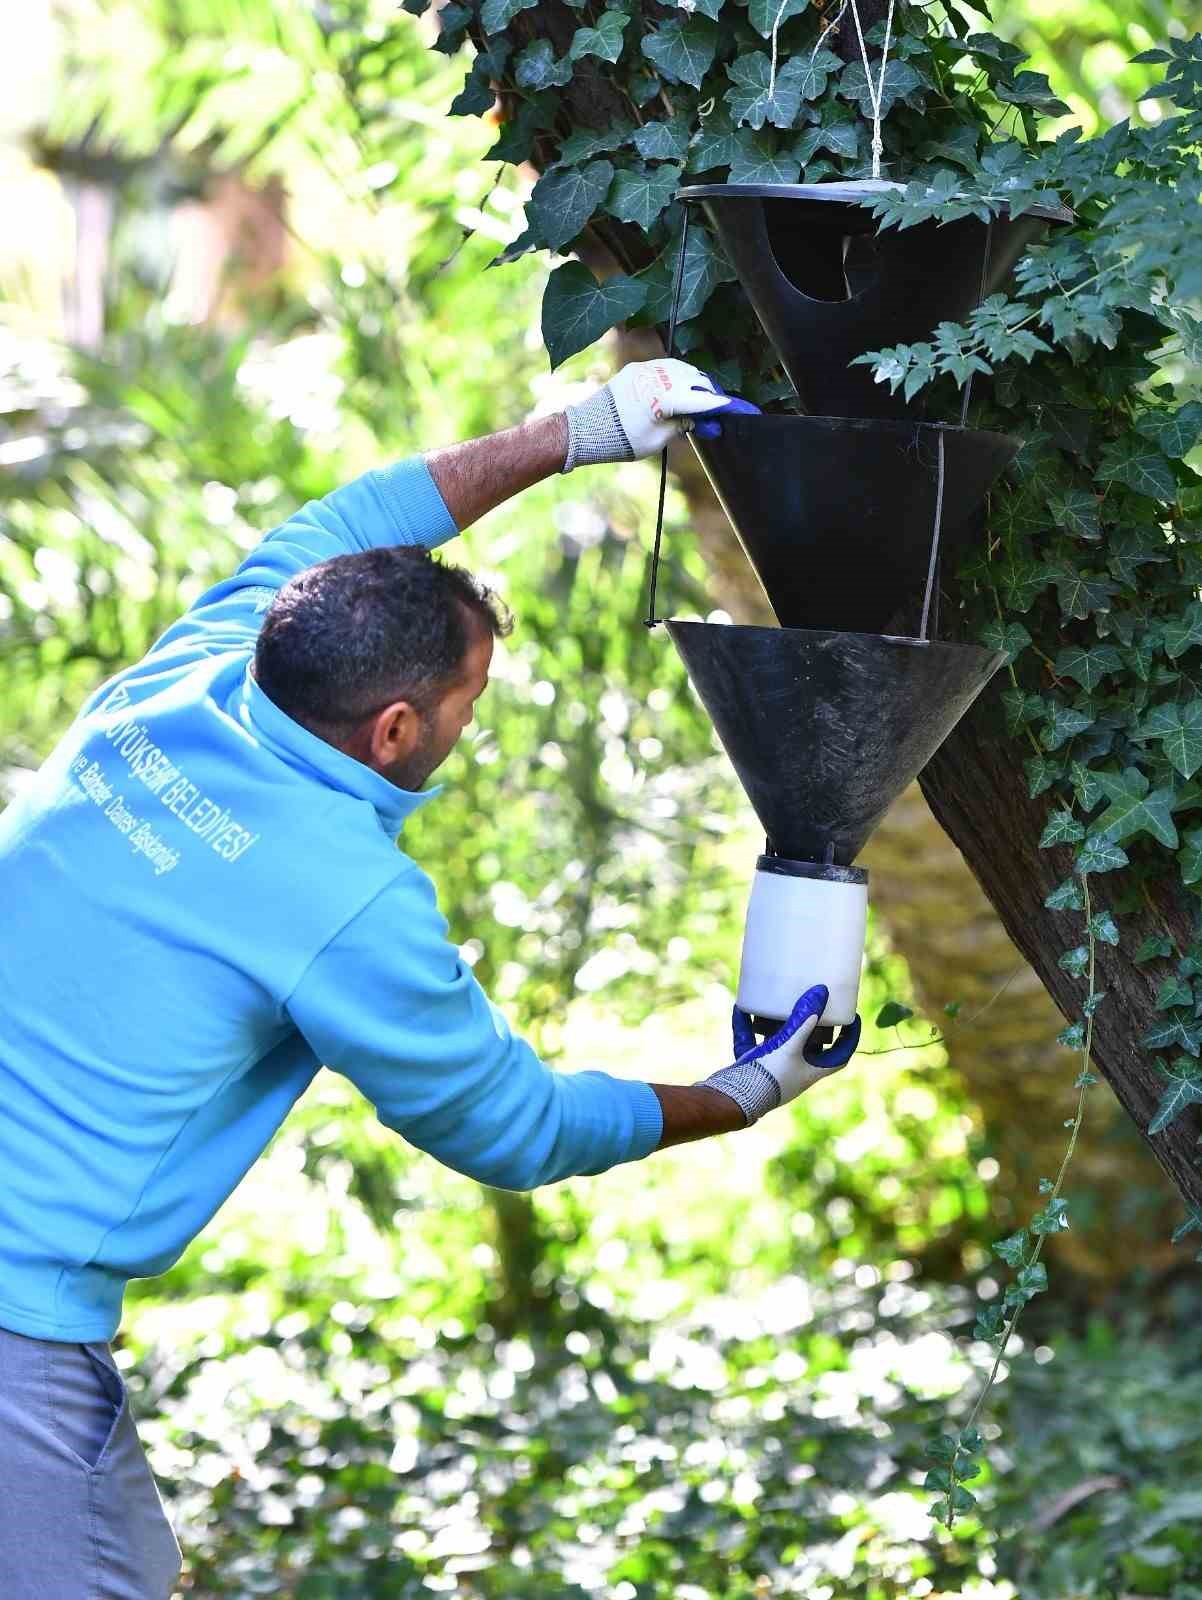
[{"x": 346, "y": 638}]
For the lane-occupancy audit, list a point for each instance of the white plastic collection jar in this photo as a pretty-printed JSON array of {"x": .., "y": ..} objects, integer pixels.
[{"x": 806, "y": 924}]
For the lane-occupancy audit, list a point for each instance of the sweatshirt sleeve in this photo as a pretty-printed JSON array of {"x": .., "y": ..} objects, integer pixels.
[
  {"x": 390, "y": 1004},
  {"x": 397, "y": 505}
]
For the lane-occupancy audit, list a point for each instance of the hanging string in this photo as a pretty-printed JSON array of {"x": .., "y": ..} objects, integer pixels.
[
  {"x": 933, "y": 568},
  {"x": 980, "y": 297},
  {"x": 784, "y": 4},
  {"x": 876, "y": 95},
  {"x": 651, "y": 620}
]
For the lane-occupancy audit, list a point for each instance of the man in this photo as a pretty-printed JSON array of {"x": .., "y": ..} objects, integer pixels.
[{"x": 203, "y": 901}]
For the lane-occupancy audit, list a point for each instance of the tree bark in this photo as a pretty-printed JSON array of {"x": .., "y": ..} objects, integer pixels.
[{"x": 977, "y": 790}]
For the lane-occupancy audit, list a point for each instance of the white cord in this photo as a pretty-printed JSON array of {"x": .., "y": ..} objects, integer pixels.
[
  {"x": 875, "y": 95},
  {"x": 775, "y": 30}
]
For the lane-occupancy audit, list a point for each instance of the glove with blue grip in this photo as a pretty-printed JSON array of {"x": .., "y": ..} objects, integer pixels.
[
  {"x": 785, "y": 1065},
  {"x": 642, "y": 408}
]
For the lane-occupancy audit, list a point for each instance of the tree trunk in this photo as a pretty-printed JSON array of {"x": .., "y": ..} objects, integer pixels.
[{"x": 977, "y": 790}]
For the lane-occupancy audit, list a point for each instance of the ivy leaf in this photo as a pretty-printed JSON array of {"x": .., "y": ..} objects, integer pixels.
[
  {"x": 1023, "y": 581},
  {"x": 1072, "y": 1037},
  {"x": 1184, "y": 1090},
  {"x": 757, "y": 160},
  {"x": 1189, "y": 858},
  {"x": 1133, "y": 548},
  {"x": 1033, "y": 1280},
  {"x": 1067, "y": 896},
  {"x": 1134, "y": 809},
  {"x": 1041, "y": 774},
  {"x": 1176, "y": 432},
  {"x": 1081, "y": 593},
  {"x": 840, "y": 138},
  {"x": 1153, "y": 947},
  {"x": 1085, "y": 784},
  {"x": 716, "y": 145},
  {"x": 1088, "y": 666},
  {"x": 605, "y": 40},
  {"x": 1062, "y": 723},
  {"x": 765, "y": 16},
  {"x": 1020, "y": 708},
  {"x": 1052, "y": 1219},
  {"x": 1075, "y": 961},
  {"x": 1099, "y": 855},
  {"x": 818, "y": 65},
  {"x": 477, "y": 95},
  {"x": 1179, "y": 729},
  {"x": 1172, "y": 1033},
  {"x": 683, "y": 51},
  {"x": 900, "y": 82},
  {"x": 586, "y": 143},
  {"x": 639, "y": 197},
  {"x": 452, "y": 27},
  {"x": 1062, "y": 828},
  {"x": 663, "y": 141},
  {"x": 1076, "y": 511},
  {"x": 516, "y": 141},
  {"x": 577, "y": 309},
  {"x": 756, "y": 96},
  {"x": 1104, "y": 928},
  {"x": 891, "y": 1013},
  {"x": 1015, "y": 1249},
  {"x": 536, "y": 68},
  {"x": 498, "y": 14},
  {"x": 1173, "y": 991},
  {"x": 563, "y": 201},
  {"x": 705, "y": 267},
  {"x": 1191, "y": 1224},
  {"x": 1141, "y": 466},
  {"x": 990, "y": 1323},
  {"x": 1010, "y": 637},
  {"x": 1031, "y": 89},
  {"x": 1182, "y": 633}
]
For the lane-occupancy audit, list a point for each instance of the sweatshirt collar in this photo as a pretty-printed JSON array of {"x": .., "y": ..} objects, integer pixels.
[{"x": 303, "y": 750}]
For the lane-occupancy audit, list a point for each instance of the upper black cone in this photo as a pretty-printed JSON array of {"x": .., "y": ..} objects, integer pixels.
[
  {"x": 826, "y": 729},
  {"x": 827, "y": 286},
  {"x": 836, "y": 514}
]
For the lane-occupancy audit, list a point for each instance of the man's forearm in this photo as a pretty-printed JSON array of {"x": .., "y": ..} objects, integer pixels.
[
  {"x": 693, "y": 1112},
  {"x": 479, "y": 474}
]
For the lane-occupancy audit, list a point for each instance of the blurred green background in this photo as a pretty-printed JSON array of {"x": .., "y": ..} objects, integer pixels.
[{"x": 246, "y": 256}]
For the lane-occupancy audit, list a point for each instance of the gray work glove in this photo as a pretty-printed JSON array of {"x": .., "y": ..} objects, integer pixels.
[
  {"x": 785, "y": 1065},
  {"x": 643, "y": 408}
]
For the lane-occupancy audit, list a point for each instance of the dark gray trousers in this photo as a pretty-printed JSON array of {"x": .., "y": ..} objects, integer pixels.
[{"x": 80, "y": 1517}]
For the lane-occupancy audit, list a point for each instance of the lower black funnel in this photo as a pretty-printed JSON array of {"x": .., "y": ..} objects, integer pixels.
[
  {"x": 836, "y": 514},
  {"x": 826, "y": 729}
]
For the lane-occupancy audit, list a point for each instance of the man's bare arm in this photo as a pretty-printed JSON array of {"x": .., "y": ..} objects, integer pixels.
[
  {"x": 694, "y": 1112},
  {"x": 479, "y": 474}
]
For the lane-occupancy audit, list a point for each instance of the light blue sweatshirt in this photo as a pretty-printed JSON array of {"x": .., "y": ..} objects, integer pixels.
[{"x": 200, "y": 902}]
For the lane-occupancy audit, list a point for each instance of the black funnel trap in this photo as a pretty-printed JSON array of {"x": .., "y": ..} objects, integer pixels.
[
  {"x": 826, "y": 729},
  {"x": 836, "y": 514},
  {"x": 827, "y": 286}
]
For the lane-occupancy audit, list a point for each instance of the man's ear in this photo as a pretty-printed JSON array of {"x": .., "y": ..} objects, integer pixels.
[{"x": 396, "y": 732}]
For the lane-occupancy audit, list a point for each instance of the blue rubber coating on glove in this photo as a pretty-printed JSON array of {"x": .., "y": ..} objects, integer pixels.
[
  {"x": 709, "y": 427},
  {"x": 812, "y": 1004},
  {"x": 839, "y": 1052},
  {"x": 744, "y": 1033}
]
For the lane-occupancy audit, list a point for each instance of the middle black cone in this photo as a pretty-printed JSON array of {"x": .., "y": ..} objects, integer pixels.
[
  {"x": 826, "y": 729},
  {"x": 836, "y": 514}
]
